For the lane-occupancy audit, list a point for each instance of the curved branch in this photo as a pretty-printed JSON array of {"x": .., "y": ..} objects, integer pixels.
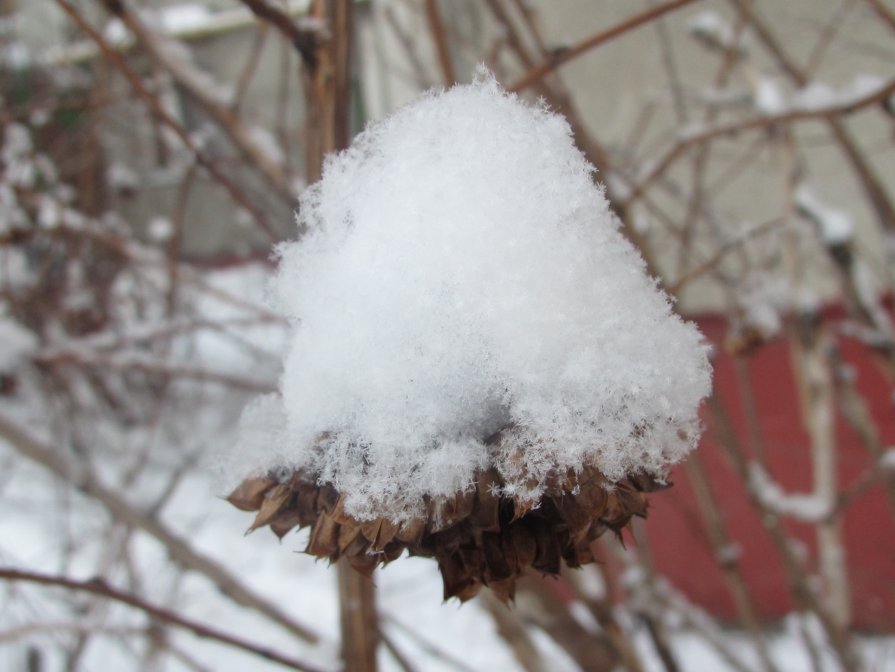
[
  {"x": 152, "y": 102},
  {"x": 304, "y": 41},
  {"x": 98, "y": 586},
  {"x": 196, "y": 88},
  {"x": 829, "y": 112},
  {"x": 543, "y": 69},
  {"x": 123, "y": 511}
]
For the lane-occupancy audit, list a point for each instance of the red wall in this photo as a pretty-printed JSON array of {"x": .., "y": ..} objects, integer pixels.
[{"x": 679, "y": 544}]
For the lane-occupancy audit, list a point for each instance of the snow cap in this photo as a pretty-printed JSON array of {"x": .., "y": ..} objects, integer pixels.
[{"x": 462, "y": 274}]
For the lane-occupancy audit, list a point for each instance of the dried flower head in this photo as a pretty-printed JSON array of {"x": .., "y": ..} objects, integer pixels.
[{"x": 480, "y": 369}]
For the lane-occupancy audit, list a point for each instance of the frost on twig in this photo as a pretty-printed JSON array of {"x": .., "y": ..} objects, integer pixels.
[
  {"x": 808, "y": 508},
  {"x": 715, "y": 32},
  {"x": 473, "y": 340},
  {"x": 835, "y": 226}
]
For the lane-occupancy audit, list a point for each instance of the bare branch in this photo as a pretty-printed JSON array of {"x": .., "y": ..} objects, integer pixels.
[
  {"x": 118, "y": 507},
  {"x": 152, "y": 102},
  {"x": 543, "y": 69},
  {"x": 238, "y": 133},
  {"x": 762, "y": 122},
  {"x": 439, "y": 36},
  {"x": 305, "y": 41},
  {"x": 98, "y": 586}
]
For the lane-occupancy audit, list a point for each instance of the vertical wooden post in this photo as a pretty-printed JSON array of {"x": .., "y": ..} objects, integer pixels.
[{"x": 328, "y": 95}]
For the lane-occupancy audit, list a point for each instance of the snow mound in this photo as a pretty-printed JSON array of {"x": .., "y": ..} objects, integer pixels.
[{"x": 462, "y": 274}]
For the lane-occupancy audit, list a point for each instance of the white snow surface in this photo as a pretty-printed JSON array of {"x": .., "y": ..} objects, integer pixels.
[{"x": 463, "y": 273}]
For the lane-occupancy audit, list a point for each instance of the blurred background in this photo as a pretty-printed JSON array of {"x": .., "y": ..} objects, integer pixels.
[{"x": 152, "y": 153}]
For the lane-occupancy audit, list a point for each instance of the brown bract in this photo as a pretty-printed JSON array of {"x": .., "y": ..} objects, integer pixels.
[{"x": 479, "y": 536}]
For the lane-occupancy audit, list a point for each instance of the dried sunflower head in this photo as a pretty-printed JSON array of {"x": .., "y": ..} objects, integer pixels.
[
  {"x": 479, "y": 536},
  {"x": 479, "y": 369}
]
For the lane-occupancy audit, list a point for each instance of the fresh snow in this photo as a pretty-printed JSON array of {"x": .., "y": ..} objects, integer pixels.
[
  {"x": 836, "y": 227},
  {"x": 710, "y": 27},
  {"x": 462, "y": 273},
  {"x": 808, "y": 508},
  {"x": 819, "y": 95},
  {"x": 771, "y": 99},
  {"x": 185, "y": 17}
]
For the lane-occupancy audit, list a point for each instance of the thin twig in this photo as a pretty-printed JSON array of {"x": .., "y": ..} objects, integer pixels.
[
  {"x": 123, "y": 511},
  {"x": 873, "y": 187},
  {"x": 249, "y": 69},
  {"x": 541, "y": 70},
  {"x": 396, "y": 652},
  {"x": 883, "y": 12},
  {"x": 152, "y": 102},
  {"x": 442, "y": 47},
  {"x": 194, "y": 86},
  {"x": 430, "y": 648},
  {"x": 304, "y": 41},
  {"x": 721, "y": 252},
  {"x": 716, "y": 531},
  {"x": 796, "y": 574},
  {"x": 98, "y": 586},
  {"x": 761, "y": 122}
]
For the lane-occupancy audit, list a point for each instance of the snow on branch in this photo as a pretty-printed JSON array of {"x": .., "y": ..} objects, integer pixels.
[
  {"x": 714, "y": 32},
  {"x": 803, "y": 507},
  {"x": 835, "y": 226},
  {"x": 696, "y": 135},
  {"x": 887, "y": 461}
]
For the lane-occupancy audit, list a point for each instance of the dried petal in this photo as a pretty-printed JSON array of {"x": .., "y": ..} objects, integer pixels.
[
  {"x": 324, "y": 541},
  {"x": 275, "y": 499},
  {"x": 285, "y": 520},
  {"x": 249, "y": 495}
]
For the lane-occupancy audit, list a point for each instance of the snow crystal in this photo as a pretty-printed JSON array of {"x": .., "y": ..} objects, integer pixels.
[{"x": 462, "y": 274}]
